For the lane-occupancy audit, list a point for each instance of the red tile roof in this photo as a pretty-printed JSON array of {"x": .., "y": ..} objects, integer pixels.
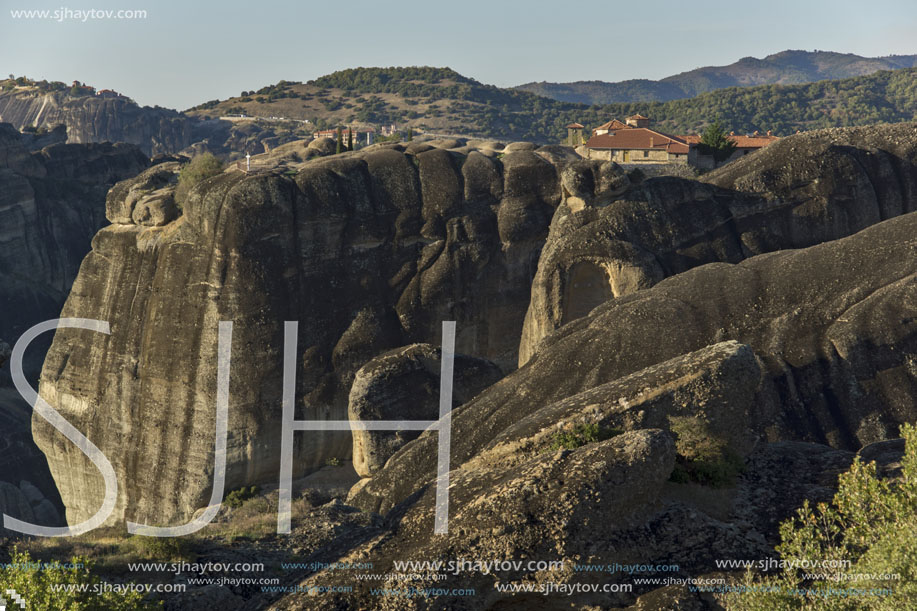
[
  {"x": 575, "y": 126},
  {"x": 752, "y": 142},
  {"x": 637, "y": 116},
  {"x": 613, "y": 125},
  {"x": 639, "y": 138}
]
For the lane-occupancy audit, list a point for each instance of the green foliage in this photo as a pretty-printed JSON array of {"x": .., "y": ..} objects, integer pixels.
[
  {"x": 870, "y": 524},
  {"x": 715, "y": 141},
  {"x": 38, "y": 585},
  {"x": 199, "y": 169},
  {"x": 161, "y": 548},
  {"x": 580, "y": 435},
  {"x": 340, "y": 143},
  {"x": 514, "y": 114},
  {"x": 237, "y": 498},
  {"x": 334, "y": 461},
  {"x": 701, "y": 456}
]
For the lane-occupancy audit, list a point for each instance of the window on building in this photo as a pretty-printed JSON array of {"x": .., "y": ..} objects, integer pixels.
[{"x": 646, "y": 153}]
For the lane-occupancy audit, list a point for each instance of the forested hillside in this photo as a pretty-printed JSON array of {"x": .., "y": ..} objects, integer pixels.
[{"x": 443, "y": 101}]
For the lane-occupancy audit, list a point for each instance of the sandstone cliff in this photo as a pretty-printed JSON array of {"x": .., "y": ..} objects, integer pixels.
[
  {"x": 608, "y": 240},
  {"x": 368, "y": 251},
  {"x": 94, "y": 119},
  {"x": 51, "y": 204}
]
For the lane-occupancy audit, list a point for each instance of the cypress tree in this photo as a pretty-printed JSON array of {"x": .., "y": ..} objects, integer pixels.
[
  {"x": 340, "y": 147},
  {"x": 349, "y": 138}
]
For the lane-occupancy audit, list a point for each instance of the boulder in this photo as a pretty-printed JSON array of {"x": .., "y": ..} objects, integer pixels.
[
  {"x": 146, "y": 199},
  {"x": 325, "y": 146},
  {"x": 519, "y": 146},
  {"x": 404, "y": 384}
]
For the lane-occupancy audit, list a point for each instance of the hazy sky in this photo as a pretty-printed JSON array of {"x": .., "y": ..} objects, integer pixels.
[{"x": 186, "y": 52}]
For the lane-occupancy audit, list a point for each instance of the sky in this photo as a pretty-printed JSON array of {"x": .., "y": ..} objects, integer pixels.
[{"x": 184, "y": 52}]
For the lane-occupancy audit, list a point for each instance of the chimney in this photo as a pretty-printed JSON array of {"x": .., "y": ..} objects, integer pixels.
[
  {"x": 732, "y": 133},
  {"x": 770, "y": 133},
  {"x": 651, "y": 142},
  {"x": 755, "y": 134}
]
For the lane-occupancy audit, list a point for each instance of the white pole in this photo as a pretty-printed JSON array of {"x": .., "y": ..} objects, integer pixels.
[{"x": 248, "y": 162}]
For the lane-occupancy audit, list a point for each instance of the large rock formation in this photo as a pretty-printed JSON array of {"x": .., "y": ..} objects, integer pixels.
[
  {"x": 404, "y": 384},
  {"x": 608, "y": 240},
  {"x": 833, "y": 328},
  {"x": 369, "y": 251},
  {"x": 607, "y": 502},
  {"x": 61, "y": 117},
  {"x": 51, "y": 204},
  {"x": 833, "y": 325},
  {"x": 98, "y": 119}
]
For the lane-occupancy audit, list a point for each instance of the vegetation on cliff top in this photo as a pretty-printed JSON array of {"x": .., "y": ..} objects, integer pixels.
[
  {"x": 441, "y": 100},
  {"x": 200, "y": 168}
]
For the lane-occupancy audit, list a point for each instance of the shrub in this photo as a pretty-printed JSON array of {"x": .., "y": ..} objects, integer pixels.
[
  {"x": 702, "y": 457},
  {"x": 580, "y": 436},
  {"x": 45, "y": 587},
  {"x": 333, "y": 462},
  {"x": 236, "y": 498},
  {"x": 870, "y": 523},
  {"x": 199, "y": 169},
  {"x": 716, "y": 142},
  {"x": 162, "y": 548}
]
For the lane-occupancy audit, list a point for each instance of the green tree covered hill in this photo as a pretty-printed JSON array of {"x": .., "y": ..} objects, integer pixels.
[{"x": 441, "y": 100}]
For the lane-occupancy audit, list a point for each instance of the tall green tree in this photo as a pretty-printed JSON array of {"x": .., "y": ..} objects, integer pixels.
[
  {"x": 340, "y": 147},
  {"x": 349, "y": 138},
  {"x": 715, "y": 141}
]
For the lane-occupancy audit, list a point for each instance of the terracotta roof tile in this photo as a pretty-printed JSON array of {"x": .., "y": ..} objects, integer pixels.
[
  {"x": 613, "y": 125},
  {"x": 638, "y": 138}
]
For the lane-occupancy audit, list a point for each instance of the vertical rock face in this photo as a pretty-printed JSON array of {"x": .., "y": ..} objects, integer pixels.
[
  {"x": 89, "y": 119},
  {"x": 368, "y": 251},
  {"x": 51, "y": 204},
  {"x": 609, "y": 239}
]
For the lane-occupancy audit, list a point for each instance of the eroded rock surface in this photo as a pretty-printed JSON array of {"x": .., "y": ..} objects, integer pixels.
[
  {"x": 51, "y": 204},
  {"x": 608, "y": 240},
  {"x": 95, "y": 119},
  {"x": 404, "y": 384},
  {"x": 833, "y": 326},
  {"x": 369, "y": 251}
]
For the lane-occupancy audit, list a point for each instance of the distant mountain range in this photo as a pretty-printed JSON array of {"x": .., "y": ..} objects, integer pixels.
[
  {"x": 784, "y": 68},
  {"x": 443, "y": 102}
]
